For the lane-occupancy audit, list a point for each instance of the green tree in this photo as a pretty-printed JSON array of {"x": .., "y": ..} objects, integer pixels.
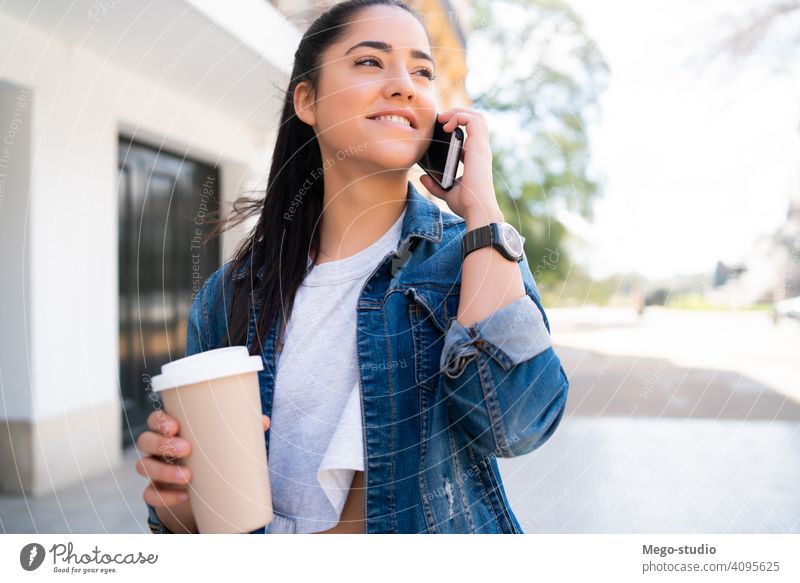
[{"x": 545, "y": 84}]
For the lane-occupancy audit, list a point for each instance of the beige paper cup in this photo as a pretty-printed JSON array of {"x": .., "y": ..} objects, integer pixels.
[{"x": 215, "y": 397}]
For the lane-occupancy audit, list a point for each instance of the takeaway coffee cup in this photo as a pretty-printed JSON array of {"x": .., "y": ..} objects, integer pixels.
[{"x": 215, "y": 397}]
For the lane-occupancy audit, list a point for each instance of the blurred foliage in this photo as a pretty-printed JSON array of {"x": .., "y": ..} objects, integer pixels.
[
  {"x": 700, "y": 302},
  {"x": 546, "y": 82},
  {"x": 579, "y": 289}
]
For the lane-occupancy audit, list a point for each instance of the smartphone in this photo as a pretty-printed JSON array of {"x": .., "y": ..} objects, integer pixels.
[{"x": 440, "y": 162}]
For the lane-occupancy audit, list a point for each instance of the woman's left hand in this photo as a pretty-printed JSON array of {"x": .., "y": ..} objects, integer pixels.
[{"x": 473, "y": 192}]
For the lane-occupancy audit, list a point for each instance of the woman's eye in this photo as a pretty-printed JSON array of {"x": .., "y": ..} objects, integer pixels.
[
  {"x": 368, "y": 59},
  {"x": 425, "y": 72}
]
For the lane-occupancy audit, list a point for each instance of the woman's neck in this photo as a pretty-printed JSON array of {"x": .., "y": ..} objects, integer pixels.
[{"x": 357, "y": 212}]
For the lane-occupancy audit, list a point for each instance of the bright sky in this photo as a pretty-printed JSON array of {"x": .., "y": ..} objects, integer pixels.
[{"x": 697, "y": 164}]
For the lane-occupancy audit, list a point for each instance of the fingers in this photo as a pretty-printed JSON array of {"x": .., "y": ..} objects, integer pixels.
[
  {"x": 168, "y": 481},
  {"x": 162, "y": 423},
  {"x": 474, "y": 121},
  {"x": 162, "y": 496},
  {"x": 151, "y": 468},
  {"x": 166, "y": 447},
  {"x": 162, "y": 441}
]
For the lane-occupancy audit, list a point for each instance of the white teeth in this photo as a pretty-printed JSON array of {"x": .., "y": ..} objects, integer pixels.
[{"x": 394, "y": 118}]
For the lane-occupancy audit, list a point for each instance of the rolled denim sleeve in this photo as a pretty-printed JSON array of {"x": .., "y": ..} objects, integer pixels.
[
  {"x": 503, "y": 382},
  {"x": 510, "y": 335}
]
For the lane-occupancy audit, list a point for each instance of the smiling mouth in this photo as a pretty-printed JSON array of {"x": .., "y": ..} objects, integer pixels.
[{"x": 398, "y": 121}]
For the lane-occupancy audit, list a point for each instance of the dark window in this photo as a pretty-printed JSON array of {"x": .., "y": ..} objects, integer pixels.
[{"x": 164, "y": 205}]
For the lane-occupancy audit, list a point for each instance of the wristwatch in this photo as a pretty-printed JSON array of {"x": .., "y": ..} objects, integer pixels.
[{"x": 503, "y": 236}]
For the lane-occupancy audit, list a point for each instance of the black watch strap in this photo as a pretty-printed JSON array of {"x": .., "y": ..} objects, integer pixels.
[{"x": 475, "y": 239}]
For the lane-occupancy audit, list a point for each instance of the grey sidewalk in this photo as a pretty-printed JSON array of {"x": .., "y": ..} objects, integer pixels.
[
  {"x": 638, "y": 475},
  {"x": 109, "y": 503}
]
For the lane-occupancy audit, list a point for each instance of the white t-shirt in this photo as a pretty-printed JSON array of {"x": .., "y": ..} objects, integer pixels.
[{"x": 316, "y": 436}]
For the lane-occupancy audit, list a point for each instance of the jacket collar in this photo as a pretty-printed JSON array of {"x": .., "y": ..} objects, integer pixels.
[{"x": 423, "y": 219}]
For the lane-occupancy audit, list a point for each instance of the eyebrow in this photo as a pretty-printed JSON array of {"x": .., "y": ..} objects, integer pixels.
[{"x": 386, "y": 47}]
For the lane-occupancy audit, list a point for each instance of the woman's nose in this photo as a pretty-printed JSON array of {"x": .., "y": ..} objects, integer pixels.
[{"x": 401, "y": 84}]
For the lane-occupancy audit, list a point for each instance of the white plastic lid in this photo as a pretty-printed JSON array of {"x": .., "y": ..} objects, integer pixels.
[{"x": 205, "y": 366}]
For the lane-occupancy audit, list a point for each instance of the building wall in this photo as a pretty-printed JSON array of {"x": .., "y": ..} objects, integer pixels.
[{"x": 60, "y": 416}]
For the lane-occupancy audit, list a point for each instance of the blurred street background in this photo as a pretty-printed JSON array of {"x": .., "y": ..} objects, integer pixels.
[{"x": 677, "y": 422}]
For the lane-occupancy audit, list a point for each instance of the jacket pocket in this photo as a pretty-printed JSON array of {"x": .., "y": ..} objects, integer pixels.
[{"x": 430, "y": 309}]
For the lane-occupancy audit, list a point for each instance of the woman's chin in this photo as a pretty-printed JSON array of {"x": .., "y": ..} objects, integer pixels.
[{"x": 397, "y": 161}]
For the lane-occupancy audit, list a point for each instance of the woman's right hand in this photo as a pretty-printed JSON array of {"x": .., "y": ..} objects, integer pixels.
[{"x": 169, "y": 481}]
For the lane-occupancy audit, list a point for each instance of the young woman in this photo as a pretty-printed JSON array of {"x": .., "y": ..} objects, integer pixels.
[{"x": 404, "y": 349}]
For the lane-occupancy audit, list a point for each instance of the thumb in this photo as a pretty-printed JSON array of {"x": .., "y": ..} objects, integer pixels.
[{"x": 265, "y": 422}]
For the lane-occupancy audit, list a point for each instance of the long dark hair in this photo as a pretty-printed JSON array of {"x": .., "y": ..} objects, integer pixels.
[{"x": 287, "y": 232}]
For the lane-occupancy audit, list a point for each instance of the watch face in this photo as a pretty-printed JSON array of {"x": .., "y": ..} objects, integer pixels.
[{"x": 511, "y": 239}]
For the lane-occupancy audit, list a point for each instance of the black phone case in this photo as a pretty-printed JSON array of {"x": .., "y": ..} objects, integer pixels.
[{"x": 444, "y": 146}]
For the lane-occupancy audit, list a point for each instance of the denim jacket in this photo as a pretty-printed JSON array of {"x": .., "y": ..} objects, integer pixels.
[{"x": 440, "y": 401}]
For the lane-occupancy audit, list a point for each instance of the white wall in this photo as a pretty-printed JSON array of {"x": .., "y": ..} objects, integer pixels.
[
  {"x": 15, "y": 144},
  {"x": 82, "y": 101}
]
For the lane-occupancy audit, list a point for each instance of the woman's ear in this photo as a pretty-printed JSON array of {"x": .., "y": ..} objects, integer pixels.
[{"x": 304, "y": 103}]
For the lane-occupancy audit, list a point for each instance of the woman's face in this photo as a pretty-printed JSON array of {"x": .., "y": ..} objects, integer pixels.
[{"x": 357, "y": 82}]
